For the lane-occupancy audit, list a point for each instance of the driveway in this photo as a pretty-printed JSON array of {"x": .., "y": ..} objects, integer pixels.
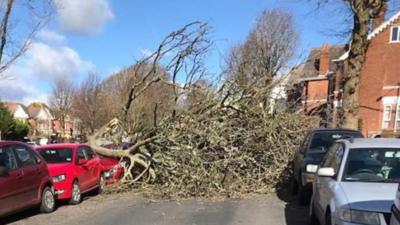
[{"x": 128, "y": 209}]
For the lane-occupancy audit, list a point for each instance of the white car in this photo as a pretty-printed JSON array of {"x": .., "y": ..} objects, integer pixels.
[
  {"x": 395, "y": 219},
  {"x": 356, "y": 183}
]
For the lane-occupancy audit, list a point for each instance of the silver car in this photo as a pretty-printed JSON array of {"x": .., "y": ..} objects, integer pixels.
[{"x": 356, "y": 183}]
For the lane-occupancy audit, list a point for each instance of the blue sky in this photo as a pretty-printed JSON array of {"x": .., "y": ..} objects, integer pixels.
[{"x": 105, "y": 36}]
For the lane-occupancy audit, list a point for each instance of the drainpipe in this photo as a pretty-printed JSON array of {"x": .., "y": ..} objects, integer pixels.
[{"x": 330, "y": 99}]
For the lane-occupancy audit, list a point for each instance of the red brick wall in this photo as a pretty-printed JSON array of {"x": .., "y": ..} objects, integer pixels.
[{"x": 381, "y": 68}]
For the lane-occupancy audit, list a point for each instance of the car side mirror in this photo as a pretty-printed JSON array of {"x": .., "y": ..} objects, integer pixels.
[
  {"x": 82, "y": 162},
  {"x": 311, "y": 168},
  {"x": 326, "y": 172},
  {"x": 3, "y": 171}
]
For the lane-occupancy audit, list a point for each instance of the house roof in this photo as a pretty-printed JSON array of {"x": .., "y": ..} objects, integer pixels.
[
  {"x": 373, "y": 34},
  {"x": 383, "y": 26},
  {"x": 13, "y": 106},
  {"x": 35, "y": 107},
  {"x": 311, "y": 66}
]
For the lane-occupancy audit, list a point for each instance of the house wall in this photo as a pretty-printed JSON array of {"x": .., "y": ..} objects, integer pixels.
[{"x": 381, "y": 68}]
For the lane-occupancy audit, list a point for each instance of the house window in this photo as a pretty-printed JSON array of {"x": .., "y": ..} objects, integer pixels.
[
  {"x": 395, "y": 34},
  {"x": 387, "y": 111},
  {"x": 398, "y": 116}
]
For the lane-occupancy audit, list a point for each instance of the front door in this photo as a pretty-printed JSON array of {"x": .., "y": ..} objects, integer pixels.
[
  {"x": 83, "y": 171},
  {"x": 11, "y": 183}
]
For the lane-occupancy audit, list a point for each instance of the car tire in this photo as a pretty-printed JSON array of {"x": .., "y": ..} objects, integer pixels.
[
  {"x": 328, "y": 218},
  {"x": 102, "y": 184},
  {"x": 47, "y": 204},
  {"x": 76, "y": 196}
]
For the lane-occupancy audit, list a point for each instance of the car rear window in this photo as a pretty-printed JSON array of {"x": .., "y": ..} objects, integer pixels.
[
  {"x": 56, "y": 155},
  {"x": 326, "y": 139}
]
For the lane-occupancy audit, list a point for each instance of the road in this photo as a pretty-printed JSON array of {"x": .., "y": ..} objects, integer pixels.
[{"x": 129, "y": 209}]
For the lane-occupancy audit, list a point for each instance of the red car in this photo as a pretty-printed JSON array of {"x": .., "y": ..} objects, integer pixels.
[
  {"x": 113, "y": 171},
  {"x": 75, "y": 169},
  {"x": 24, "y": 179}
]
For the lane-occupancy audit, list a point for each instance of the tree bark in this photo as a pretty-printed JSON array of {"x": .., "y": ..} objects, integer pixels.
[{"x": 363, "y": 12}]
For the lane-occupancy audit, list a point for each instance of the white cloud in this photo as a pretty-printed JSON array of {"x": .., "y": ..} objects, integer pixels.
[
  {"x": 83, "y": 16},
  {"x": 33, "y": 75},
  {"x": 54, "y": 62},
  {"x": 51, "y": 36}
]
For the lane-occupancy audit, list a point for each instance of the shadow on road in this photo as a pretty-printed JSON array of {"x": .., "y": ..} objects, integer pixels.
[
  {"x": 25, "y": 214},
  {"x": 295, "y": 214}
]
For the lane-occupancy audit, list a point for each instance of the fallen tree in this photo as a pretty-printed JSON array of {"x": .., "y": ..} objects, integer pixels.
[{"x": 226, "y": 143}]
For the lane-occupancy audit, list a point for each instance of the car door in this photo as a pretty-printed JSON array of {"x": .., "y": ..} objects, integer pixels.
[
  {"x": 11, "y": 183},
  {"x": 83, "y": 172},
  {"x": 93, "y": 166},
  {"x": 325, "y": 186},
  {"x": 32, "y": 173}
]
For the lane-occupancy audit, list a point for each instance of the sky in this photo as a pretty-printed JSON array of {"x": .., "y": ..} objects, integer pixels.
[{"x": 104, "y": 36}]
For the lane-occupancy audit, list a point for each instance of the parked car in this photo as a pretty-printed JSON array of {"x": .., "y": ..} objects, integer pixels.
[
  {"x": 356, "y": 182},
  {"x": 24, "y": 179},
  {"x": 395, "y": 218},
  {"x": 75, "y": 169},
  {"x": 113, "y": 170},
  {"x": 310, "y": 154}
]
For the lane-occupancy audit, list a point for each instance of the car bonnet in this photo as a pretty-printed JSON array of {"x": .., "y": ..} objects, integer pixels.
[{"x": 374, "y": 197}]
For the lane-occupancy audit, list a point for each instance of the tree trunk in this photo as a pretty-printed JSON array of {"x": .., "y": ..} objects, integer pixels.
[{"x": 358, "y": 49}]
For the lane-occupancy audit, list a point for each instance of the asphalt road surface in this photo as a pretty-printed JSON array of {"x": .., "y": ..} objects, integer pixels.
[{"x": 130, "y": 209}]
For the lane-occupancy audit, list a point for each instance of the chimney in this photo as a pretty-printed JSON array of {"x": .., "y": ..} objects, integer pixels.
[
  {"x": 324, "y": 60},
  {"x": 379, "y": 18}
]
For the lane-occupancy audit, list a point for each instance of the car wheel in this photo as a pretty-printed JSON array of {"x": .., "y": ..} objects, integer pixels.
[
  {"x": 328, "y": 218},
  {"x": 102, "y": 184},
  {"x": 76, "y": 197},
  {"x": 47, "y": 204}
]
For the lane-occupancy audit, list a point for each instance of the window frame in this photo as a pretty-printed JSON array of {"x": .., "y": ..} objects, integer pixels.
[
  {"x": 397, "y": 117},
  {"x": 333, "y": 152},
  {"x": 384, "y": 119},
  {"x": 30, "y": 152},
  {"x": 13, "y": 153},
  {"x": 398, "y": 34}
]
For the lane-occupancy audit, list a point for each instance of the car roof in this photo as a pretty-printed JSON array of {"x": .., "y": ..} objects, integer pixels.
[
  {"x": 373, "y": 142},
  {"x": 11, "y": 142},
  {"x": 61, "y": 145},
  {"x": 334, "y": 130}
]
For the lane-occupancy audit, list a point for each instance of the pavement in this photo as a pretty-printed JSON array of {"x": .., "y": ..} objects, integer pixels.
[{"x": 131, "y": 209}]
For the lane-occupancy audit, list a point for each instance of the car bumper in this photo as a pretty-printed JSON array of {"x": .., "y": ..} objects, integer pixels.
[
  {"x": 341, "y": 222},
  {"x": 62, "y": 191},
  {"x": 113, "y": 176}
]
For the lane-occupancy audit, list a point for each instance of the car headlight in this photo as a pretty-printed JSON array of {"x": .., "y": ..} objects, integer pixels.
[
  {"x": 59, "y": 178},
  {"x": 311, "y": 168},
  {"x": 359, "y": 217}
]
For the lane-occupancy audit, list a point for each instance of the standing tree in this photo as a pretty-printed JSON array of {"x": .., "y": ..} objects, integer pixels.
[
  {"x": 363, "y": 13},
  {"x": 87, "y": 103},
  {"x": 61, "y": 101},
  {"x": 266, "y": 51}
]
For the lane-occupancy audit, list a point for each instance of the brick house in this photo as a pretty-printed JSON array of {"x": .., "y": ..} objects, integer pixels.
[
  {"x": 379, "y": 93},
  {"x": 314, "y": 82},
  {"x": 41, "y": 118}
]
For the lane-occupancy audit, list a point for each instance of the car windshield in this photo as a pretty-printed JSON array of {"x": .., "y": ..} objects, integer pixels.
[
  {"x": 373, "y": 165},
  {"x": 57, "y": 155},
  {"x": 322, "y": 141}
]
